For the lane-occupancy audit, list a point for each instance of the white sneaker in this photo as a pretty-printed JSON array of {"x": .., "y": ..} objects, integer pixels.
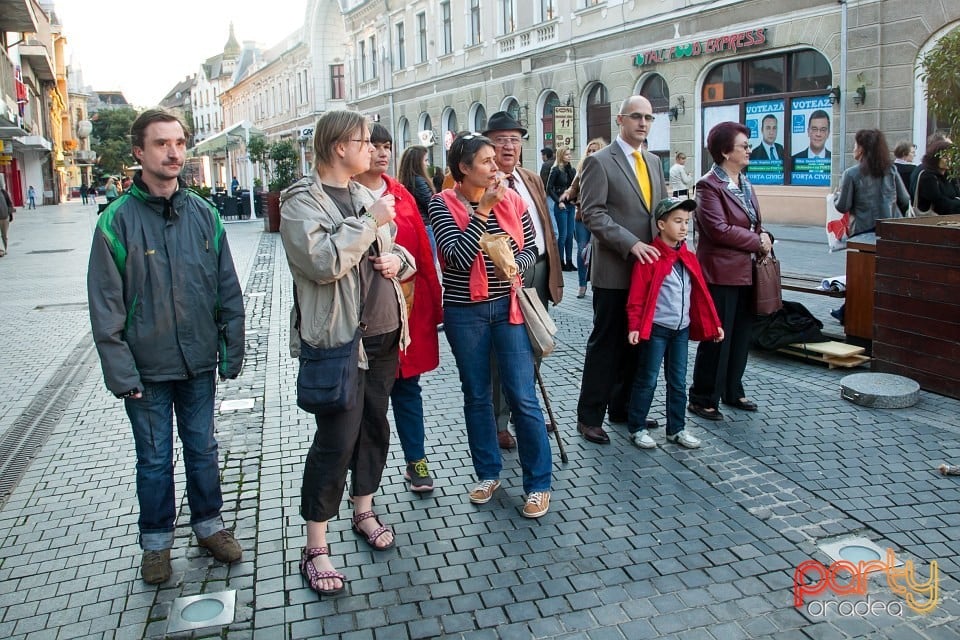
[
  {"x": 643, "y": 440},
  {"x": 684, "y": 439}
]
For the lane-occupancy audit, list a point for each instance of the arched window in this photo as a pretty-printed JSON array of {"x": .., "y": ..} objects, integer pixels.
[
  {"x": 449, "y": 120},
  {"x": 655, "y": 90},
  {"x": 550, "y": 102},
  {"x": 403, "y": 135},
  {"x": 783, "y": 100},
  {"x": 478, "y": 117},
  {"x": 512, "y": 107},
  {"x": 426, "y": 124},
  {"x": 598, "y": 113}
]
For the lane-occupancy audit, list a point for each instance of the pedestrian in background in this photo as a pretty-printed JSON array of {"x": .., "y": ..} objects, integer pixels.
[
  {"x": 110, "y": 190},
  {"x": 84, "y": 190},
  {"x": 167, "y": 315},
  {"x": 346, "y": 273},
  {"x": 6, "y": 217},
  {"x": 414, "y": 177},
  {"x": 481, "y": 317},
  {"x": 668, "y": 305},
  {"x": 31, "y": 198},
  {"x": 903, "y": 156},
  {"x": 421, "y": 292},
  {"x": 580, "y": 232},
  {"x": 681, "y": 180},
  {"x": 547, "y": 160},
  {"x": 731, "y": 238},
  {"x": 937, "y": 191},
  {"x": 561, "y": 177},
  {"x": 619, "y": 187}
]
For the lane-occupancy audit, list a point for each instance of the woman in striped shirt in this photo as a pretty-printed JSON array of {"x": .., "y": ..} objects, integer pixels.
[{"x": 482, "y": 316}]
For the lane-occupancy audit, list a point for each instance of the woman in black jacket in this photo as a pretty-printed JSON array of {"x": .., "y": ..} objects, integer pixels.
[
  {"x": 413, "y": 175},
  {"x": 561, "y": 177},
  {"x": 936, "y": 191}
]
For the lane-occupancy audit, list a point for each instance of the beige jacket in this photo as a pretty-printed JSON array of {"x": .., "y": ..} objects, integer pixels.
[{"x": 324, "y": 251}]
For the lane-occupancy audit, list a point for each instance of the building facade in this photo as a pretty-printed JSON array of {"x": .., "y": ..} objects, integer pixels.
[{"x": 816, "y": 71}]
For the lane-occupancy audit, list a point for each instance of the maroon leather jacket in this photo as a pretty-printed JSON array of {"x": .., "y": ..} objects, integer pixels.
[{"x": 726, "y": 245}]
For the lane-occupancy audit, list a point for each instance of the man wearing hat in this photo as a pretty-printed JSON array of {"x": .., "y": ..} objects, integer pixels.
[
  {"x": 619, "y": 187},
  {"x": 547, "y": 274}
]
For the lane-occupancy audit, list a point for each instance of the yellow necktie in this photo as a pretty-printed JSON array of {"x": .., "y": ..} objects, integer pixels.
[{"x": 643, "y": 178}]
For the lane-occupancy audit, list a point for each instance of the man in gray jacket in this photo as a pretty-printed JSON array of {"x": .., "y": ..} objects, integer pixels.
[
  {"x": 619, "y": 187},
  {"x": 167, "y": 314}
]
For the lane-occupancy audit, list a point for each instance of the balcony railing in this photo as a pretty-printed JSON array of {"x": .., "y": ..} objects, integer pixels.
[{"x": 535, "y": 38}]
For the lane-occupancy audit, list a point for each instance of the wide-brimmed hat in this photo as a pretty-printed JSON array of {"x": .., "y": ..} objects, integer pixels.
[
  {"x": 503, "y": 121},
  {"x": 667, "y": 205}
]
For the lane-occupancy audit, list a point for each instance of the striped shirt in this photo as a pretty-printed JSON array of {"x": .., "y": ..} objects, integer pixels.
[{"x": 459, "y": 248}]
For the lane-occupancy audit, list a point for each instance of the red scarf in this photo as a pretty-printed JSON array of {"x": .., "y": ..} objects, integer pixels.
[{"x": 507, "y": 213}]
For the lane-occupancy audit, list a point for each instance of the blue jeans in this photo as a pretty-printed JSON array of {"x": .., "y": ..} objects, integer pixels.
[
  {"x": 668, "y": 346},
  {"x": 565, "y": 220},
  {"x": 407, "y": 404},
  {"x": 152, "y": 420},
  {"x": 474, "y": 331},
  {"x": 582, "y": 234}
]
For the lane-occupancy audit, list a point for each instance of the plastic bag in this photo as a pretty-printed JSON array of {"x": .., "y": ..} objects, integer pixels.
[{"x": 836, "y": 226}]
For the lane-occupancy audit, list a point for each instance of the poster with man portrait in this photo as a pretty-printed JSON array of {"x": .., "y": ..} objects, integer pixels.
[
  {"x": 810, "y": 127},
  {"x": 767, "y": 156}
]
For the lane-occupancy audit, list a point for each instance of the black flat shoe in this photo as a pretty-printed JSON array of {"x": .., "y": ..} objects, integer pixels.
[
  {"x": 705, "y": 412},
  {"x": 743, "y": 405}
]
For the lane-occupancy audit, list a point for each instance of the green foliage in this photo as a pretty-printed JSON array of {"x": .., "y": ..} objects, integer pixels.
[
  {"x": 201, "y": 190},
  {"x": 111, "y": 139},
  {"x": 284, "y": 156},
  {"x": 258, "y": 149},
  {"x": 939, "y": 73}
]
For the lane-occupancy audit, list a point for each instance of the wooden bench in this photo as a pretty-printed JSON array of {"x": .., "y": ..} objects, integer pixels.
[{"x": 806, "y": 284}]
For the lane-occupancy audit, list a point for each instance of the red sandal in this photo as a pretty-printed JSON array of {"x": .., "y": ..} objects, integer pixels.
[
  {"x": 314, "y": 575},
  {"x": 379, "y": 531}
]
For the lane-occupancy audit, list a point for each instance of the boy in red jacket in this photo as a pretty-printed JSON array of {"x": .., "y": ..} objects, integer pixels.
[{"x": 668, "y": 304}]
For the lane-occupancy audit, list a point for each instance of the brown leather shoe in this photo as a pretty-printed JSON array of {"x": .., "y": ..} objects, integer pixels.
[
  {"x": 593, "y": 434},
  {"x": 506, "y": 440}
]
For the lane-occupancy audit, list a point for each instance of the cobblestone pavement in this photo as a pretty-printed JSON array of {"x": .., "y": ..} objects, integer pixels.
[{"x": 666, "y": 543}]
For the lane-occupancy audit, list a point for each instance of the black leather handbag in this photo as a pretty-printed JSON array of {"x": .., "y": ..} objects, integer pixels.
[{"x": 328, "y": 378}]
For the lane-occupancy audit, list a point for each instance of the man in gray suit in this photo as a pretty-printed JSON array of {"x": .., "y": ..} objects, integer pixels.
[{"x": 618, "y": 191}]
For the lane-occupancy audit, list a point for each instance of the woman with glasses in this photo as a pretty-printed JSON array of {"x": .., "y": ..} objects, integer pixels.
[
  {"x": 731, "y": 238},
  {"x": 346, "y": 272},
  {"x": 481, "y": 316}
]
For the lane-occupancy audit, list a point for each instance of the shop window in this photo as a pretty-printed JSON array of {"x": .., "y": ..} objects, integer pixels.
[
  {"x": 550, "y": 103},
  {"x": 478, "y": 122},
  {"x": 598, "y": 113},
  {"x": 512, "y": 107},
  {"x": 810, "y": 71},
  {"x": 723, "y": 83},
  {"x": 766, "y": 75}
]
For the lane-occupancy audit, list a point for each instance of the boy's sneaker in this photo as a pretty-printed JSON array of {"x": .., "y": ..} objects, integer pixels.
[
  {"x": 223, "y": 546},
  {"x": 155, "y": 566},
  {"x": 418, "y": 475},
  {"x": 684, "y": 439},
  {"x": 538, "y": 503},
  {"x": 643, "y": 440},
  {"x": 482, "y": 493}
]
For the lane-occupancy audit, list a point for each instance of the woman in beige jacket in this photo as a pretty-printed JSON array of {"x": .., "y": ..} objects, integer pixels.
[{"x": 346, "y": 271}]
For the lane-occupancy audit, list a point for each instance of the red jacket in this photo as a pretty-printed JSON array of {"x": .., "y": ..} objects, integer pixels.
[
  {"x": 645, "y": 285},
  {"x": 423, "y": 354}
]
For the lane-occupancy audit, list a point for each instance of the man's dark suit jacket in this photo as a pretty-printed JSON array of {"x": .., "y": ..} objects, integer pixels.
[
  {"x": 760, "y": 153},
  {"x": 803, "y": 154}
]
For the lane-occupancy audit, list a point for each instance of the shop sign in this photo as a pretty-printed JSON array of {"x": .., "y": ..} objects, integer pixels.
[
  {"x": 563, "y": 123},
  {"x": 732, "y": 43}
]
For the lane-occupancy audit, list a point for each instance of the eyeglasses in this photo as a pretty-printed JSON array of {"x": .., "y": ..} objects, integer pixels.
[
  {"x": 820, "y": 130},
  {"x": 637, "y": 117},
  {"x": 504, "y": 141},
  {"x": 365, "y": 141},
  {"x": 746, "y": 146}
]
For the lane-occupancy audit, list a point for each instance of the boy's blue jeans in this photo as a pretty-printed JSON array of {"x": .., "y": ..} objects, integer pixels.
[{"x": 668, "y": 346}]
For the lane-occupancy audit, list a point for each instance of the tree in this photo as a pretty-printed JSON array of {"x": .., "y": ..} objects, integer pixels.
[
  {"x": 111, "y": 140},
  {"x": 939, "y": 73},
  {"x": 284, "y": 157}
]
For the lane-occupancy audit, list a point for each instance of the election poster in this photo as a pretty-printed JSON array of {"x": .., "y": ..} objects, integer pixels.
[
  {"x": 765, "y": 120},
  {"x": 810, "y": 123}
]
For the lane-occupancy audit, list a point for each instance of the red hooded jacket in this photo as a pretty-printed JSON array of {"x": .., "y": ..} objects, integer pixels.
[
  {"x": 645, "y": 285},
  {"x": 423, "y": 354}
]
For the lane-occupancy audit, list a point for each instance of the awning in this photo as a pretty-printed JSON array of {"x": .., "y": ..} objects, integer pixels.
[
  {"x": 229, "y": 138},
  {"x": 31, "y": 143}
]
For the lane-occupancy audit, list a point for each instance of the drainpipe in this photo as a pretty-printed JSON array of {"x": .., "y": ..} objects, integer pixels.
[{"x": 843, "y": 85}]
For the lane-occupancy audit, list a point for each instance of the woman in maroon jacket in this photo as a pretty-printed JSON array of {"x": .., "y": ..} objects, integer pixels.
[{"x": 731, "y": 237}]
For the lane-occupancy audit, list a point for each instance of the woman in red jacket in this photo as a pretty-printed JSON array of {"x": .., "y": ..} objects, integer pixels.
[
  {"x": 422, "y": 293},
  {"x": 731, "y": 237}
]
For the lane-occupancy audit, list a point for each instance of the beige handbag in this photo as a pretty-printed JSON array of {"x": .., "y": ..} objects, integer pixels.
[
  {"x": 914, "y": 211},
  {"x": 540, "y": 326}
]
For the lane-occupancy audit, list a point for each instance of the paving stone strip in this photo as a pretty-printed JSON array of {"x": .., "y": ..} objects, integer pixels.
[{"x": 28, "y": 433}]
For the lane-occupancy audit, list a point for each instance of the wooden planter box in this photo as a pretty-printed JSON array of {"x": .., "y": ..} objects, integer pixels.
[{"x": 916, "y": 318}]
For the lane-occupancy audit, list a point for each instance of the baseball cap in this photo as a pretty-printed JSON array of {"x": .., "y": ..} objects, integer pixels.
[{"x": 667, "y": 205}]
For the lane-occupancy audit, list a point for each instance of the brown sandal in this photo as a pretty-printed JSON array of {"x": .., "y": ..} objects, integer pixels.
[
  {"x": 379, "y": 531},
  {"x": 314, "y": 575}
]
